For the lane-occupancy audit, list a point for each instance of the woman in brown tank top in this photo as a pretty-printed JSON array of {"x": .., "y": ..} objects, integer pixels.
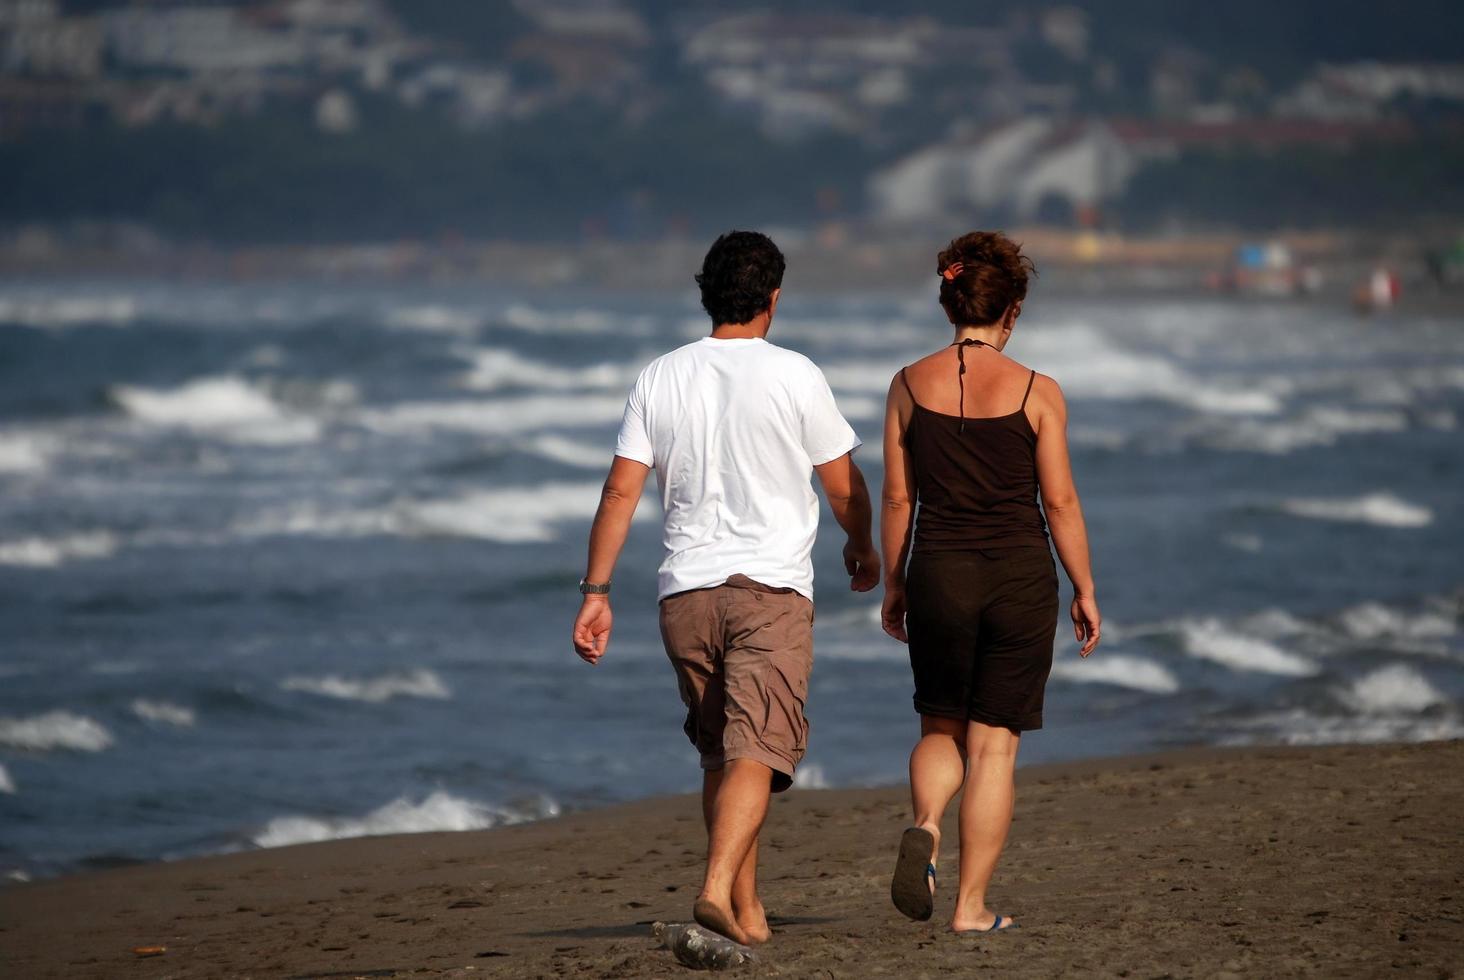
[{"x": 974, "y": 438}]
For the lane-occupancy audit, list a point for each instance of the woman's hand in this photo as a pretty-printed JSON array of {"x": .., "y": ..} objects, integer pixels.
[
  {"x": 892, "y": 613},
  {"x": 1087, "y": 623},
  {"x": 592, "y": 628}
]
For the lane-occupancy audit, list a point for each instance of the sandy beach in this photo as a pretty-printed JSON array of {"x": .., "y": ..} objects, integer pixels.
[{"x": 1337, "y": 862}]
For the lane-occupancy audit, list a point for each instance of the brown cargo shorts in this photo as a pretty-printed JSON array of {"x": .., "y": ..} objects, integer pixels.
[{"x": 743, "y": 652}]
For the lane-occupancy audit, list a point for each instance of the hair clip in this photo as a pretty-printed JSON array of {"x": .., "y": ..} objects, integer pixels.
[{"x": 952, "y": 270}]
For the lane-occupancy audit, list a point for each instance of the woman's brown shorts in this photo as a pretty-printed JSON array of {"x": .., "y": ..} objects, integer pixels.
[
  {"x": 981, "y": 626},
  {"x": 743, "y": 652}
]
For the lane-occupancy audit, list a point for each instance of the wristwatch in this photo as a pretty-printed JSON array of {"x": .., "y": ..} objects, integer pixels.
[{"x": 592, "y": 588}]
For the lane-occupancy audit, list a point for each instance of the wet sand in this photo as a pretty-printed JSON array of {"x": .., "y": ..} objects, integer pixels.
[{"x": 1329, "y": 862}]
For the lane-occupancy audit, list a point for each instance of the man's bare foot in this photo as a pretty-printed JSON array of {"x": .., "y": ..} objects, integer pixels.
[
  {"x": 984, "y": 922},
  {"x": 719, "y": 919},
  {"x": 754, "y": 923}
]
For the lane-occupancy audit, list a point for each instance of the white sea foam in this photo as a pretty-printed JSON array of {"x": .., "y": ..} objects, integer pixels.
[
  {"x": 18, "y": 874},
  {"x": 571, "y": 452},
  {"x": 23, "y": 454},
  {"x": 440, "y": 811},
  {"x": 226, "y": 406},
  {"x": 164, "y": 713},
  {"x": 7, "y": 785},
  {"x": 1274, "y": 624},
  {"x": 531, "y": 320},
  {"x": 1374, "y": 621},
  {"x": 435, "y": 318},
  {"x": 52, "y": 552},
  {"x": 1211, "y": 639},
  {"x": 68, "y": 311},
  {"x": 1298, "y": 726},
  {"x": 1316, "y": 427},
  {"x": 1091, "y": 365},
  {"x": 420, "y": 683},
  {"x": 499, "y": 416},
  {"x": 54, "y": 730},
  {"x": 495, "y": 367},
  {"x": 810, "y": 775},
  {"x": 1119, "y": 670},
  {"x": 1251, "y": 543},
  {"x": 508, "y": 514},
  {"x": 1395, "y": 689},
  {"x": 1381, "y": 509}
]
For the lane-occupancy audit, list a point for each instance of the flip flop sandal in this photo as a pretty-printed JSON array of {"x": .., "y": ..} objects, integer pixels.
[
  {"x": 995, "y": 927},
  {"x": 910, "y": 888}
]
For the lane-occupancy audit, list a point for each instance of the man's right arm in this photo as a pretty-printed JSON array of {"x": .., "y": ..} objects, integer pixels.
[{"x": 848, "y": 498}]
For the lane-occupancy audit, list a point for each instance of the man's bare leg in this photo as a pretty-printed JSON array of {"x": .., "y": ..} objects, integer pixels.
[
  {"x": 937, "y": 769},
  {"x": 739, "y": 806},
  {"x": 986, "y": 816},
  {"x": 747, "y": 908}
]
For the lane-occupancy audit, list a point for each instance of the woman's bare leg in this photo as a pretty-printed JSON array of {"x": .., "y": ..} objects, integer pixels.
[
  {"x": 937, "y": 767},
  {"x": 986, "y": 816}
]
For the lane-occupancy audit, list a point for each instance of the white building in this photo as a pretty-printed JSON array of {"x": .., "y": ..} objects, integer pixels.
[{"x": 1015, "y": 167}]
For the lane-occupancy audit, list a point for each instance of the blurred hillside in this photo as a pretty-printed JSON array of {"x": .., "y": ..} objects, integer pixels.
[{"x": 642, "y": 120}]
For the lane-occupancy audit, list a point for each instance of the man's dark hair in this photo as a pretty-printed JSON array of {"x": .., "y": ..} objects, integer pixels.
[{"x": 738, "y": 276}]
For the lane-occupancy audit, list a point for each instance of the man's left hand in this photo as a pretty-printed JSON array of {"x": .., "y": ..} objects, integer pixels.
[
  {"x": 592, "y": 628},
  {"x": 862, "y": 564}
]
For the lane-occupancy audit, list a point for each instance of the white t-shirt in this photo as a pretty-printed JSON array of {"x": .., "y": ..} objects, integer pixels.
[{"x": 733, "y": 429}]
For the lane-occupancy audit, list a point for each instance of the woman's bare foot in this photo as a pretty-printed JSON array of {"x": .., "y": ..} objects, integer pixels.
[
  {"x": 719, "y": 919},
  {"x": 981, "y": 923},
  {"x": 754, "y": 922}
]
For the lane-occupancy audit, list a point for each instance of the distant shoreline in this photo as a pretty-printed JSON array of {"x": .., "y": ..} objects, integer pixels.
[
  {"x": 1254, "y": 861},
  {"x": 830, "y": 258}
]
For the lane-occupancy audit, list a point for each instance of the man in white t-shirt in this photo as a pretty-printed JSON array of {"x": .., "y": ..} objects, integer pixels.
[{"x": 734, "y": 428}]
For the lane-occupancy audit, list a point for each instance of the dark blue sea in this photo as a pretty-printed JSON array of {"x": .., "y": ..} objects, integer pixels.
[{"x": 288, "y": 563}]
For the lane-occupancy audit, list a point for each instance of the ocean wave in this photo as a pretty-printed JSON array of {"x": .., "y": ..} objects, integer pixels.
[
  {"x": 434, "y": 318},
  {"x": 1375, "y": 621},
  {"x": 811, "y": 775},
  {"x": 570, "y": 452},
  {"x": 7, "y": 785},
  {"x": 23, "y": 453},
  {"x": 68, "y": 311},
  {"x": 1319, "y": 426},
  {"x": 494, "y": 368},
  {"x": 1119, "y": 670},
  {"x": 420, "y": 683},
  {"x": 226, "y": 406},
  {"x": 512, "y": 515},
  {"x": 1222, "y": 643},
  {"x": 164, "y": 713},
  {"x": 54, "y": 730},
  {"x": 1380, "y": 509},
  {"x": 521, "y": 316},
  {"x": 439, "y": 811},
  {"x": 1090, "y": 365},
  {"x": 53, "y": 552},
  {"x": 1395, "y": 689},
  {"x": 499, "y": 416},
  {"x": 1298, "y": 726}
]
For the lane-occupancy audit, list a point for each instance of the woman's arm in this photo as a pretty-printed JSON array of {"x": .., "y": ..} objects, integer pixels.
[
  {"x": 897, "y": 508},
  {"x": 1064, "y": 511}
]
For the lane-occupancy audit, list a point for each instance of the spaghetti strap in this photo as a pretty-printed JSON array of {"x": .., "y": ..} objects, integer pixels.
[
  {"x": 905, "y": 381},
  {"x": 1028, "y": 392}
]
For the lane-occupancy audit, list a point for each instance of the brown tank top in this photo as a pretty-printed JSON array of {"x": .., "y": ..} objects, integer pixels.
[{"x": 976, "y": 479}]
